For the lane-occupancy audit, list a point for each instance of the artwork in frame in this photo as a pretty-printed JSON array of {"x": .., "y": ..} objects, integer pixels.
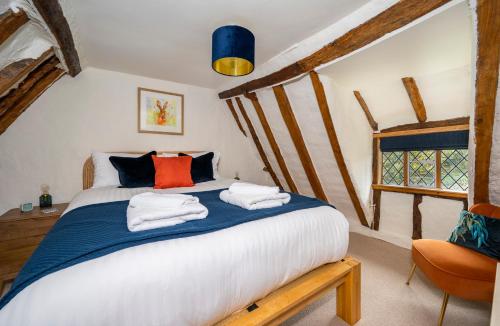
[{"x": 160, "y": 112}]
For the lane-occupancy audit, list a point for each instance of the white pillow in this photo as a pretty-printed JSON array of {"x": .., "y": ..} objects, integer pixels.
[
  {"x": 105, "y": 173},
  {"x": 215, "y": 160}
]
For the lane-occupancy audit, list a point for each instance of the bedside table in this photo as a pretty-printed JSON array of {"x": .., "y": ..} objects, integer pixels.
[{"x": 20, "y": 234}]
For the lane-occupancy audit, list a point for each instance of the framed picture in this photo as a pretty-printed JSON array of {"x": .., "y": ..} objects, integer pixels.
[{"x": 160, "y": 112}]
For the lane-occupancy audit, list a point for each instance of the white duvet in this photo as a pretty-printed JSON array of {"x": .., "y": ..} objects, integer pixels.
[{"x": 189, "y": 281}]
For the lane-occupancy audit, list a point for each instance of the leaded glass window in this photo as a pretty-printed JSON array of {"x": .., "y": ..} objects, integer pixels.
[
  {"x": 454, "y": 169},
  {"x": 422, "y": 169},
  {"x": 392, "y": 168}
]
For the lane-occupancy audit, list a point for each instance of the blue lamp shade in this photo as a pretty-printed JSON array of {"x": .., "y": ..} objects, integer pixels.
[{"x": 233, "y": 50}]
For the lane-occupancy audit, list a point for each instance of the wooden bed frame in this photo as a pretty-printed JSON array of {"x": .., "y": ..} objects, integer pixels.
[{"x": 287, "y": 301}]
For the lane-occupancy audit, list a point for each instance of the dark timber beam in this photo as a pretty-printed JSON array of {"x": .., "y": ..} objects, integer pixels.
[
  {"x": 15, "y": 95},
  {"x": 298, "y": 141},
  {"x": 488, "y": 52},
  {"x": 415, "y": 98},
  {"x": 334, "y": 142},
  {"x": 235, "y": 116},
  {"x": 258, "y": 144},
  {"x": 10, "y": 22},
  {"x": 417, "y": 218},
  {"x": 16, "y": 71},
  {"x": 368, "y": 115},
  {"x": 429, "y": 124},
  {"x": 29, "y": 97},
  {"x": 272, "y": 141},
  {"x": 52, "y": 14},
  {"x": 391, "y": 19},
  {"x": 377, "y": 194}
]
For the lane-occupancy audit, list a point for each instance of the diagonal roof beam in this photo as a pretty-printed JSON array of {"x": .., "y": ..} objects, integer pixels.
[
  {"x": 272, "y": 141},
  {"x": 364, "y": 106},
  {"x": 258, "y": 144},
  {"x": 298, "y": 141},
  {"x": 415, "y": 98},
  {"x": 230, "y": 105},
  {"x": 16, "y": 71},
  {"x": 334, "y": 142},
  {"x": 10, "y": 22},
  {"x": 52, "y": 14},
  {"x": 400, "y": 14}
]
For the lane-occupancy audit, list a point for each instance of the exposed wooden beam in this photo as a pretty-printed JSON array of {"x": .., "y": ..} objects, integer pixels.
[
  {"x": 272, "y": 141},
  {"x": 429, "y": 124},
  {"x": 420, "y": 131},
  {"x": 377, "y": 194},
  {"x": 258, "y": 144},
  {"x": 14, "y": 95},
  {"x": 235, "y": 116},
  {"x": 364, "y": 106},
  {"x": 52, "y": 14},
  {"x": 415, "y": 98},
  {"x": 488, "y": 52},
  {"x": 298, "y": 141},
  {"x": 16, "y": 71},
  {"x": 29, "y": 97},
  {"x": 10, "y": 22},
  {"x": 417, "y": 217},
  {"x": 391, "y": 19},
  {"x": 319, "y": 91},
  {"x": 439, "y": 193}
]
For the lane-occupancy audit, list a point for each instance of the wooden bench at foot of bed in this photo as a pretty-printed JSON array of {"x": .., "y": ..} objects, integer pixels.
[{"x": 285, "y": 302}]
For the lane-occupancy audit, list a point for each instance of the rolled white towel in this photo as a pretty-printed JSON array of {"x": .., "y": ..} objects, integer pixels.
[
  {"x": 155, "y": 200},
  {"x": 252, "y": 202},
  {"x": 146, "y": 218},
  {"x": 245, "y": 188}
]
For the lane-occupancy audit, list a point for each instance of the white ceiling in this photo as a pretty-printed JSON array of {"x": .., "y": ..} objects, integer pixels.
[{"x": 171, "y": 40}]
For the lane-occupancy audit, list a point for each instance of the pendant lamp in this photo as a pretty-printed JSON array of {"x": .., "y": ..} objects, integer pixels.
[{"x": 233, "y": 50}]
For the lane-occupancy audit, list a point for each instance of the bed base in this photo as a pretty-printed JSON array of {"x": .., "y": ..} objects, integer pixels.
[{"x": 287, "y": 301}]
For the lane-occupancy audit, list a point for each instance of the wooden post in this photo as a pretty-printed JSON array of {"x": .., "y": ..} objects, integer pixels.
[
  {"x": 377, "y": 194},
  {"x": 417, "y": 217},
  {"x": 349, "y": 296},
  {"x": 298, "y": 141},
  {"x": 488, "y": 52},
  {"x": 258, "y": 144},
  {"x": 406, "y": 178},
  {"x": 438, "y": 168},
  {"x": 272, "y": 141}
]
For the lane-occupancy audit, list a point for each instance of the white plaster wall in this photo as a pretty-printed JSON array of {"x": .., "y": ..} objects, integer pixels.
[{"x": 97, "y": 110}]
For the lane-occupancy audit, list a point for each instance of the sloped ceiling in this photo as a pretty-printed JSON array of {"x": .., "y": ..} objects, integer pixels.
[
  {"x": 171, "y": 40},
  {"x": 436, "y": 52}
]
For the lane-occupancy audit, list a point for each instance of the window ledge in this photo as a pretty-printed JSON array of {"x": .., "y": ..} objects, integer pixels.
[{"x": 434, "y": 192}]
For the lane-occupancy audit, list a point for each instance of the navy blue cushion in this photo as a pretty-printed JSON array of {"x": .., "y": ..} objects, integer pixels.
[
  {"x": 135, "y": 172},
  {"x": 479, "y": 233},
  {"x": 201, "y": 167}
]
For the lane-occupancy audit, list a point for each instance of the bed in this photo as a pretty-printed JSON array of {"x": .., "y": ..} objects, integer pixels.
[{"x": 281, "y": 263}]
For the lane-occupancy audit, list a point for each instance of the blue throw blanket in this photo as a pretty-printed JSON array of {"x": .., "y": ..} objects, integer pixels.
[{"x": 96, "y": 230}]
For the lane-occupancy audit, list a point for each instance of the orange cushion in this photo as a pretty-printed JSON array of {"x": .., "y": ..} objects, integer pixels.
[
  {"x": 456, "y": 270},
  {"x": 172, "y": 172}
]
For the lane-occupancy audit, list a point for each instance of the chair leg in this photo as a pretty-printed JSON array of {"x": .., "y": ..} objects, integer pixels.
[
  {"x": 412, "y": 271},
  {"x": 443, "y": 308}
]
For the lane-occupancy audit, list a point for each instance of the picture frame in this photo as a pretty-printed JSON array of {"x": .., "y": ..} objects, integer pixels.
[{"x": 160, "y": 112}]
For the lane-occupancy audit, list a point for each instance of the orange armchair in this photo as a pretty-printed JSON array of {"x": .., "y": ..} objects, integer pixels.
[{"x": 456, "y": 270}]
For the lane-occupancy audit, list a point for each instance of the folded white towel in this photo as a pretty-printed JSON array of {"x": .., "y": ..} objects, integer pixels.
[
  {"x": 155, "y": 200},
  {"x": 252, "y": 202},
  {"x": 245, "y": 188},
  {"x": 146, "y": 218}
]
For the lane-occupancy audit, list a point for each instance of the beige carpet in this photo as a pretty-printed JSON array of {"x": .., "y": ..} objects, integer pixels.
[{"x": 387, "y": 300}]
